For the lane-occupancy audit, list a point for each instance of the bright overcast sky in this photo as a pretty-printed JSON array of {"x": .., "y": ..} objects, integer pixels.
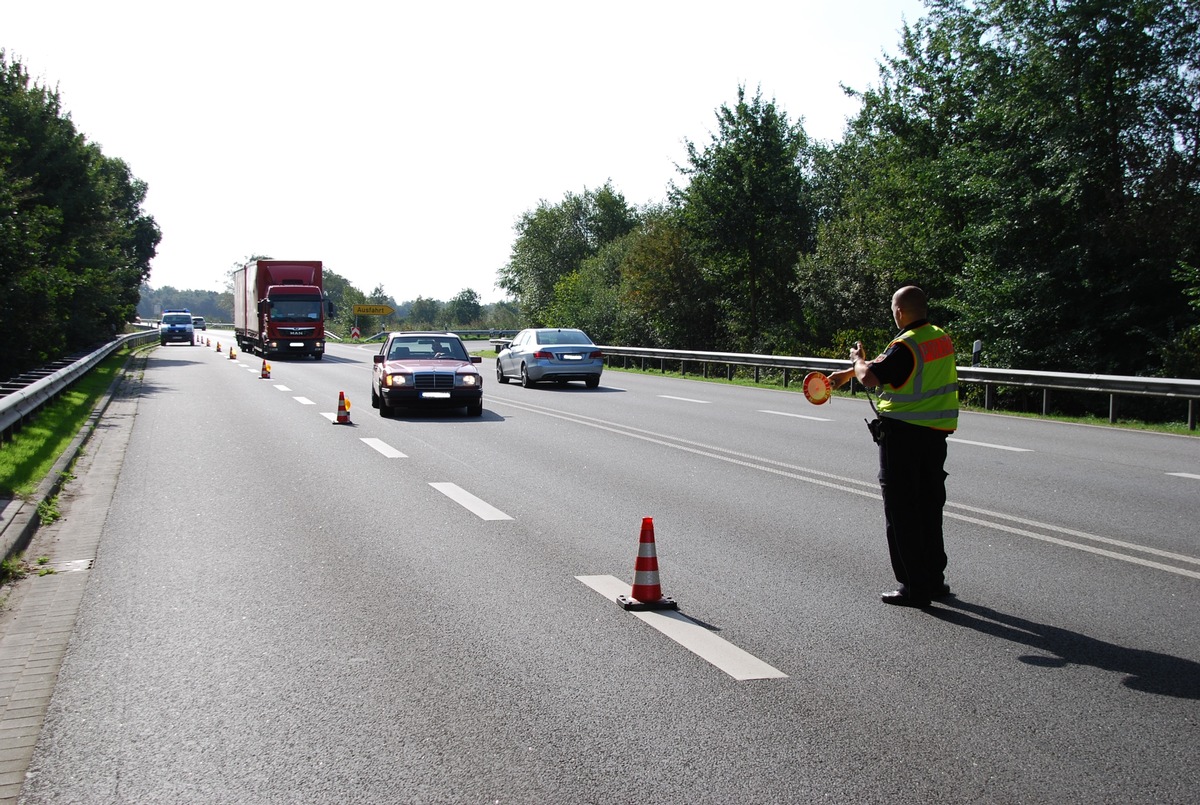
[{"x": 400, "y": 142}]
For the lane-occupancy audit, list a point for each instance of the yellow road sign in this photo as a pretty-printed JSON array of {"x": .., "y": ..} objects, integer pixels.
[{"x": 373, "y": 310}]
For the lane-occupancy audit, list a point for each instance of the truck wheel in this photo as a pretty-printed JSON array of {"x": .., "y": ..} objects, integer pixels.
[{"x": 318, "y": 355}]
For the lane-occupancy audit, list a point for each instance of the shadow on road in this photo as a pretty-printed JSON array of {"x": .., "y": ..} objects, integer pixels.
[{"x": 1147, "y": 671}]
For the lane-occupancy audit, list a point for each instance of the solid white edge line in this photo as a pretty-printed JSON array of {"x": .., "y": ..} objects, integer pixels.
[
  {"x": 702, "y": 642},
  {"x": 685, "y": 399},
  {"x": 482, "y": 510},
  {"x": 384, "y": 448}
]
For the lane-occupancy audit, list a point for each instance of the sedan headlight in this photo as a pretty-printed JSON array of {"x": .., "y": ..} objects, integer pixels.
[
  {"x": 469, "y": 380},
  {"x": 397, "y": 380}
]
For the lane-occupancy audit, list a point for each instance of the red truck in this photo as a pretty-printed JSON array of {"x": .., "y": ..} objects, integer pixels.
[{"x": 280, "y": 307}]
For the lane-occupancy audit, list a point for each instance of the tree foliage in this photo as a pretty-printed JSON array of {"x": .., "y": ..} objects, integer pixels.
[
  {"x": 748, "y": 209},
  {"x": 75, "y": 245},
  {"x": 554, "y": 240},
  {"x": 1035, "y": 165}
]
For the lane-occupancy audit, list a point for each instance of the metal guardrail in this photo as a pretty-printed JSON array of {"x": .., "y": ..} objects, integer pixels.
[
  {"x": 1112, "y": 385},
  {"x": 23, "y": 403}
]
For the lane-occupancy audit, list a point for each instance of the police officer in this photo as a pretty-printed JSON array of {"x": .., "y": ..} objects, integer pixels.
[{"x": 918, "y": 409}]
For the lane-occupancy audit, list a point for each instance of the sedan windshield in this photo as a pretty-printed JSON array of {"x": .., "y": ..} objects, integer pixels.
[{"x": 426, "y": 348}]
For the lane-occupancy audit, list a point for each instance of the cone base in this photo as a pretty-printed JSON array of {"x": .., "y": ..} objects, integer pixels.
[{"x": 635, "y": 605}]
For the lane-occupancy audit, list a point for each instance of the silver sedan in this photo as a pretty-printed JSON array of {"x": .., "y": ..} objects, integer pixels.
[{"x": 550, "y": 354}]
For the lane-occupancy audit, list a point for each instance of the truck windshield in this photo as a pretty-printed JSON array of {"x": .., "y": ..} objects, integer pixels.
[{"x": 285, "y": 309}]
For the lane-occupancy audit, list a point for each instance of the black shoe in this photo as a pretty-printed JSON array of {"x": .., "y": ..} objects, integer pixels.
[
  {"x": 902, "y": 598},
  {"x": 942, "y": 592}
]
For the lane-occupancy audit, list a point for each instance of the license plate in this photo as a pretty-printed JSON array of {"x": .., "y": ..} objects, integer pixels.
[
  {"x": 435, "y": 395},
  {"x": 296, "y": 344},
  {"x": 572, "y": 357}
]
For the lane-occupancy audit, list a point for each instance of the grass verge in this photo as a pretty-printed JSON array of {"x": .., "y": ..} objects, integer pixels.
[{"x": 31, "y": 454}]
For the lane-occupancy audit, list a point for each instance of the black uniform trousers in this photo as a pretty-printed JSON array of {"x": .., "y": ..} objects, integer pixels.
[{"x": 912, "y": 475}]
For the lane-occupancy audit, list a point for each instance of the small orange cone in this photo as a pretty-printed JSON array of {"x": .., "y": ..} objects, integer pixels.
[
  {"x": 232, "y": 353},
  {"x": 208, "y": 342},
  {"x": 266, "y": 371},
  {"x": 343, "y": 412},
  {"x": 218, "y": 346},
  {"x": 647, "y": 592}
]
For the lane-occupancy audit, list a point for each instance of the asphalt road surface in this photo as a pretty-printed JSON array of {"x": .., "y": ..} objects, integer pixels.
[{"x": 419, "y": 609}]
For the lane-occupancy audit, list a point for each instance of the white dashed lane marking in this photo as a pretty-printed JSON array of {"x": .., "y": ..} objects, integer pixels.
[
  {"x": 686, "y": 632},
  {"x": 993, "y": 446},
  {"x": 481, "y": 509},
  {"x": 384, "y": 448},
  {"x": 684, "y": 399},
  {"x": 797, "y": 416}
]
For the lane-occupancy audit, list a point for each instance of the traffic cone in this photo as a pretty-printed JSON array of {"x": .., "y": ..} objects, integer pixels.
[
  {"x": 647, "y": 592},
  {"x": 266, "y": 371},
  {"x": 232, "y": 353},
  {"x": 343, "y": 412},
  {"x": 218, "y": 346}
]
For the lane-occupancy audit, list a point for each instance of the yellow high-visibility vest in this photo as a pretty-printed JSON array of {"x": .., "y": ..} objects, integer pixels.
[{"x": 929, "y": 396}]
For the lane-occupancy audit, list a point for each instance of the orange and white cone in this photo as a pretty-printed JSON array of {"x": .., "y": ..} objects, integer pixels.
[
  {"x": 343, "y": 412},
  {"x": 266, "y": 371},
  {"x": 647, "y": 591},
  {"x": 232, "y": 353},
  {"x": 218, "y": 346}
]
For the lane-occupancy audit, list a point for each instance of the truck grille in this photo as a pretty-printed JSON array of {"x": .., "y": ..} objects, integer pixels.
[
  {"x": 433, "y": 380},
  {"x": 296, "y": 332}
]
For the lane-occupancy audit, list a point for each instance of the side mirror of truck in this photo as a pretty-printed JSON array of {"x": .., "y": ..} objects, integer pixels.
[{"x": 264, "y": 305}]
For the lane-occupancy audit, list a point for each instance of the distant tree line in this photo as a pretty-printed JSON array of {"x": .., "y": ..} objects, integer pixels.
[
  {"x": 1033, "y": 164},
  {"x": 75, "y": 245},
  {"x": 463, "y": 311}
]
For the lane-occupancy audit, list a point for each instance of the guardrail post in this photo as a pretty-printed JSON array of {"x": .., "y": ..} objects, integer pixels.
[
  {"x": 729, "y": 372},
  {"x": 786, "y": 375},
  {"x": 1112, "y": 408},
  {"x": 1191, "y": 414},
  {"x": 756, "y": 370},
  {"x": 1045, "y": 401},
  {"x": 987, "y": 396}
]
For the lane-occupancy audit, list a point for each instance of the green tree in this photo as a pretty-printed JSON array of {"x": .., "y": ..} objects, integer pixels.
[
  {"x": 666, "y": 299},
  {"x": 1034, "y": 165},
  {"x": 554, "y": 240},
  {"x": 424, "y": 313},
  {"x": 464, "y": 309},
  {"x": 749, "y": 210},
  {"x": 75, "y": 245}
]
